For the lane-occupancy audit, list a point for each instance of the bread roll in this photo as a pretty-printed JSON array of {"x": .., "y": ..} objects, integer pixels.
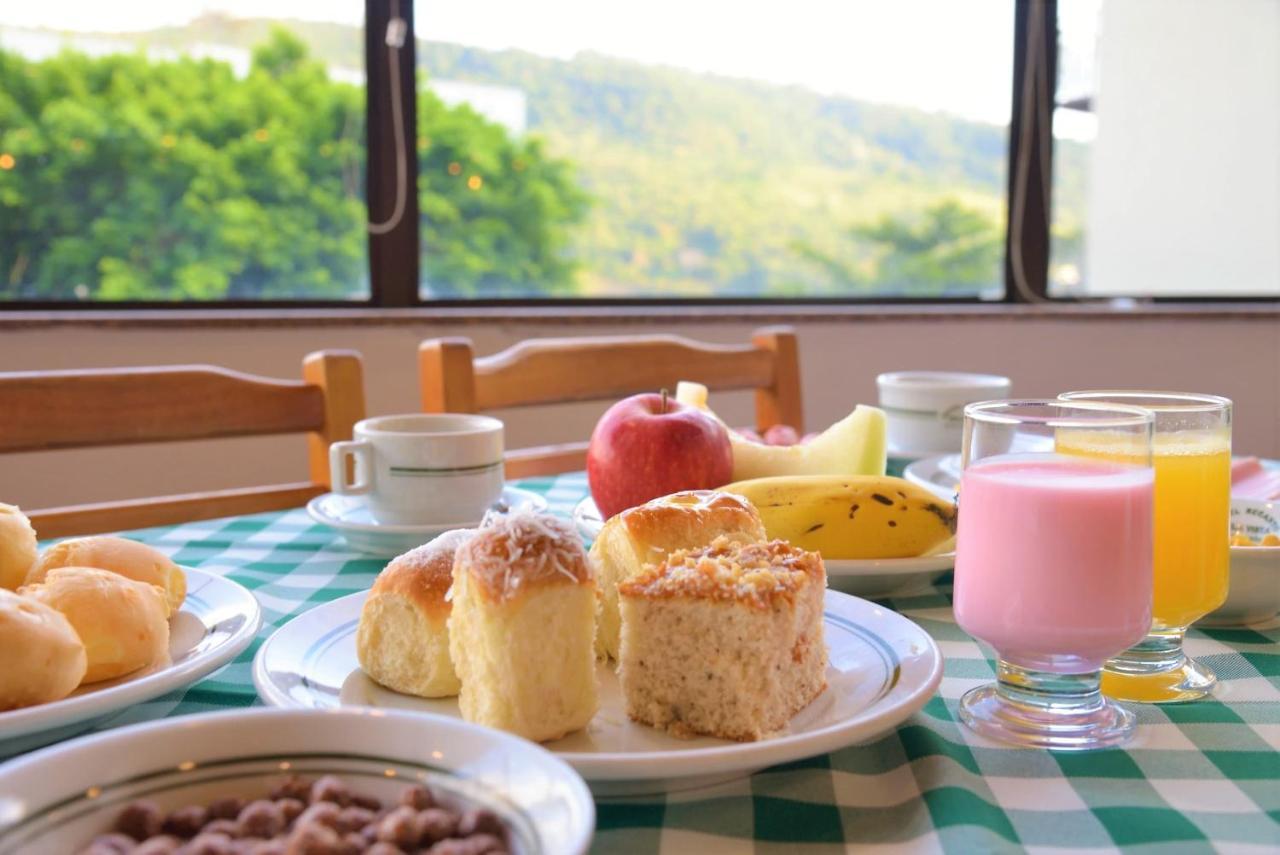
[
  {"x": 725, "y": 640},
  {"x": 122, "y": 623},
  {"x": 17, "y": 546},
  {"x": 403, "y": 639},
  {"x": 647, "y": 534},
  {"x": 521, "y": 629},
  {"x": 43, "y": 657},
  {"x": 129, "y": 558}
]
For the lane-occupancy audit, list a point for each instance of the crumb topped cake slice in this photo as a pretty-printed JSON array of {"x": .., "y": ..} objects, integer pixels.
[
  {"x": 521, "y": 633},
  {"x": 725, "y": 640},
  {"x": 647, "y": 534}
]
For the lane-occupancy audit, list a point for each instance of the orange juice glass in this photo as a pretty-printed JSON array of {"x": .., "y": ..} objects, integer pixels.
[{"x": 1191, "y": 455}]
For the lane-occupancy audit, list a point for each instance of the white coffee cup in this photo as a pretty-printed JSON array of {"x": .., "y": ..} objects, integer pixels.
[
  {"x": 423, "y": 469},
  {"x": 924, "y": 410}
]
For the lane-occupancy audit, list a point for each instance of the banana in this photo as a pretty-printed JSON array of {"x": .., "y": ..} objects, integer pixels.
[
  {"x": 855, "y": 445},
  {"x": 867, "y": 516}
]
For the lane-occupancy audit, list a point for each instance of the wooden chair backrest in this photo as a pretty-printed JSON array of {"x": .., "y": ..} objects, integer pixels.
[
  {"x": 553, "y": 370},
  {"x": 42, "y": 410}
]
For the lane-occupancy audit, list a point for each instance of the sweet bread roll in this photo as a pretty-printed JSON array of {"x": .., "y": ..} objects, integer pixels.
[
  {"x": 17, "y": 546},
  {"x": 129, "y": 558},
  {"x": 648, "y": 533},
  {"x": 403, "y": 639},
  {"x": 521, "y": 629},
  {"x": 725, "y": 640},
  {"x": 43, "y": 657},
  {"x": 123, "y": 624}
]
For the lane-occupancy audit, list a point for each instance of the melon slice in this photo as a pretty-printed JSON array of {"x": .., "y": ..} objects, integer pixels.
[{"x": 855, "y": 445}]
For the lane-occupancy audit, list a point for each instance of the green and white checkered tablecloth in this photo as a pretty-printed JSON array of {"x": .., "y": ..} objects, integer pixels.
[{"x": 1198, "y": 777}]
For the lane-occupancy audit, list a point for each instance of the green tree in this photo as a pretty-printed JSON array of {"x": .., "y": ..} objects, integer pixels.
[
  {"x": 946, "y": 248},
  {"x": 497, "y": 213},
  {"x": 123, "y": 178}
]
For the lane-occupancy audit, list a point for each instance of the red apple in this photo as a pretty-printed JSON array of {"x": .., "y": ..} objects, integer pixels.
[{"x": 650, "y": 445}]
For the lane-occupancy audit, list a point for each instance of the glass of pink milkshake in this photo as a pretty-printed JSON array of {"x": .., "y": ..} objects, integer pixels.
[{"x": 1053, "y": 566}]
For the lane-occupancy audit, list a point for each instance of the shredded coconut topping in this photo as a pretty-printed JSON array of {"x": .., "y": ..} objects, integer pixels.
[
  {"x": 754, "y": 573},
  {"x": 514, "y": 550}
]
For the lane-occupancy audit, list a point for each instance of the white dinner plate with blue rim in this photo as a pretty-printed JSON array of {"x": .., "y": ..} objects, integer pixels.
[
  {"x": 349, "y": 516},
  {"x": 59, "y": 799},
  {"x": 217, "y": 621},
  {"x": 882, "y": 669},
  {"x": 876, "y": 578}
]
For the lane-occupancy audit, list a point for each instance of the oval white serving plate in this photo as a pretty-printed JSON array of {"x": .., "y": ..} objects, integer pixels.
[
  {"x": 883, "y": 668},
  {"x": 217, "y": 621},
  {"x": 887, "y": 577},
  {"x": 349, "y": 516},
  {"x": 58, "y": 799}
]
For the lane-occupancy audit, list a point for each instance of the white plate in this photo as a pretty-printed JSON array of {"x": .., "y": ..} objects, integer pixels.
[
  {"x": 217, "y": 621},
  {"x": 71, "y": 792},
  {"x": 886, "y": 577},
  {"x": 882, "y": 669},
  {"x": 939, "y": 474},
  {"x": 350, "y": 517},
  {"x": 872, "y": 577}
]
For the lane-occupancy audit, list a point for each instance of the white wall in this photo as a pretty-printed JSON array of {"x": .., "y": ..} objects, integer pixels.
[
  {"x": 840, "y": 358},
  {"x": 1184, "y": 186}
]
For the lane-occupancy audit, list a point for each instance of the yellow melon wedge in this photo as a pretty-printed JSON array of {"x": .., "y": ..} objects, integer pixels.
[{"x": 855, "y": 445}]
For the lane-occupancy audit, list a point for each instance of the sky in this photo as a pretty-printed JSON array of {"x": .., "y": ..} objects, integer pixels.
[{"x": 947, "y": 55}]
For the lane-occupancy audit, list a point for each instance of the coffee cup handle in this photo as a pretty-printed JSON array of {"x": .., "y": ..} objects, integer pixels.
[{"x": 363, "y": 453}]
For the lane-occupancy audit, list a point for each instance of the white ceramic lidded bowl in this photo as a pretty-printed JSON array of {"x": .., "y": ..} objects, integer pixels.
[{"x": 924, "y": 409}]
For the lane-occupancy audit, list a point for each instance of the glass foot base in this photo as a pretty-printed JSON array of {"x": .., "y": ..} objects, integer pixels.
[
  {"x": 1190, "y": 681},
  {"x": 1039, "y": 710},
  {"x": 1156, "y": 671}
]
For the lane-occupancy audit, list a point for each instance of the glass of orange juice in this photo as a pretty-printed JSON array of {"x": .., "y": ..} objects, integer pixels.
[{"x": 1191, "y": 455}]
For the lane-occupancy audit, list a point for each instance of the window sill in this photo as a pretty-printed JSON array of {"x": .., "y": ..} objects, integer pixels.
[{"x": 1264, "y": 312}]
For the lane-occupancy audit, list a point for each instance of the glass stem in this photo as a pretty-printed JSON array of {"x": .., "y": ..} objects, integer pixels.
[
  {"x": 1040, "y": 689},
  {"x": 1161, "y": 650}
]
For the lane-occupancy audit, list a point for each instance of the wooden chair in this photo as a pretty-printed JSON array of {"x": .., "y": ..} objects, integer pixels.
[
  {"x": 122, "y": 406},
  {"x": 549, "y": 370}
]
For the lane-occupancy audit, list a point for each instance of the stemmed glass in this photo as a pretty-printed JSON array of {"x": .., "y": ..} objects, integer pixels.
[
  {"x": 1191, "y": 453},
  {"x": 1053, "y": 566}
]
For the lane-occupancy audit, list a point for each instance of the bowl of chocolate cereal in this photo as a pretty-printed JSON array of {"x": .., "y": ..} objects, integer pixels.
[{"x": 278, "y": 782}]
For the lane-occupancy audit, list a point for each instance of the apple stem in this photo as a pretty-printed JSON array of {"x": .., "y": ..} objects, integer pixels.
[{"x": 664, "y": 402}]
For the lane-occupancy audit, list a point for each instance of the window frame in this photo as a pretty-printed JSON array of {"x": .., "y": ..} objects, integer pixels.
[{"x": 394, "y": 257}]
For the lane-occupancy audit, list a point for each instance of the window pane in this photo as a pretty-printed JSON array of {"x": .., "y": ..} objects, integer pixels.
[
  {"x": 814, "y": 149},
  {"x": 1166, "y": 179},
  {"x": 167, "y": 151}
]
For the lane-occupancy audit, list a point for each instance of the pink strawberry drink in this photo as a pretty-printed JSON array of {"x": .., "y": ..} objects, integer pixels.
[{"x": 1053, "y": 559}]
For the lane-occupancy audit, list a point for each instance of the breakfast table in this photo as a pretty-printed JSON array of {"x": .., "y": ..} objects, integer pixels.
[{"x": 1197, "y": 777}]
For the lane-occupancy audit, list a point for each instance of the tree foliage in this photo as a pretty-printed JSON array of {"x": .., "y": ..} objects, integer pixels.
[
  {"x": 123, "y": 178},
  {"x": 948, "y": 248}
]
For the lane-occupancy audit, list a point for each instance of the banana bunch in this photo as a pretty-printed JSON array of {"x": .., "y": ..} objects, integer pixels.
[{"x": 859, "y": 516}]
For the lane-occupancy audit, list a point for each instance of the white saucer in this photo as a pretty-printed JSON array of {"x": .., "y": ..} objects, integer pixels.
[
  {"x": 217, "y": 621},
  {"x": 939, "y": 474},
  {"x": 882, "y": 669},
  {"x": 587, "y": 519},
  {"x": 349, "y": 516}
]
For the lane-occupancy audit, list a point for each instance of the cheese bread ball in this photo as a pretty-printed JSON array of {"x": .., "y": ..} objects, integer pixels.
[
  {"x": 123, "y": 624},
  {"x": 17, "y": 546},
  {"x": 129, "y": 558},
  {"x": 43, "y": 657}
]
